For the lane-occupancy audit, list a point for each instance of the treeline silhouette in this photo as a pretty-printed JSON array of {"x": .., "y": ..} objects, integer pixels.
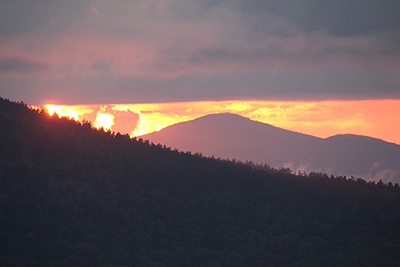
[{"x": 72, "y": 195}]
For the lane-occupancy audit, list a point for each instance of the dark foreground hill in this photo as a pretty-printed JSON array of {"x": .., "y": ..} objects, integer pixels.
[
  {"x": 232, "y": 136},
  {"x": 71, "y": 195}
]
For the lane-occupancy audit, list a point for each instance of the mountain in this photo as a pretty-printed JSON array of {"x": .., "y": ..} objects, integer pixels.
[
  {"x": 73, "y": 195},
  {"x": 232, "y": 136}
]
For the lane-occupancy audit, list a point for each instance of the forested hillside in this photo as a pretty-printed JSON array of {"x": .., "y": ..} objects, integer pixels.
[{"x": 71, "y": 195}]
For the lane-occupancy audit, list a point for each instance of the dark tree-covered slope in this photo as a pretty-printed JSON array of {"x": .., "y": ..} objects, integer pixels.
[{"x": 71, "y": 195}]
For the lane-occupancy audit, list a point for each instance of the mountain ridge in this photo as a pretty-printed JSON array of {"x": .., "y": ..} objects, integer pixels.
[{"x": 228, "y": 135}]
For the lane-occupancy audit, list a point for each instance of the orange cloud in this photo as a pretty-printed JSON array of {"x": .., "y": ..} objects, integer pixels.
[{"x": 375, "y": 118}]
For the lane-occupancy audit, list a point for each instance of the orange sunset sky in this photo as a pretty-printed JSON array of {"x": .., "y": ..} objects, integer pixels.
[{"x": 375, "y": 118}]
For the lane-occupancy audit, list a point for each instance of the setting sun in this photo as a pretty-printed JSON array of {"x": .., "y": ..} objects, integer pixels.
[{"x": 104, "y": 120}]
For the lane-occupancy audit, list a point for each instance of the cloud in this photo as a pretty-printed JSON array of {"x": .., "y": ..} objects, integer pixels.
[
  {"x": 101, "y": 65},
  {"x": 174, "y": 38},
  {"x": 94, "y": 10},
  {"x": 339, "y": 17},
  {"x": 201, "y": 49},
  {"x": 21, "y": 65},
  {"x": 298, "y": 52}
]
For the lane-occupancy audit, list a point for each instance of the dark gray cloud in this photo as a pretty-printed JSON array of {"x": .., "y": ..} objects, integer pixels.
[
  {"x": 102, "y": 66},
  {"x": 20, "y": 65},
  {"x": 43, "y": 16},
  {"x": 341, "y": 17}
]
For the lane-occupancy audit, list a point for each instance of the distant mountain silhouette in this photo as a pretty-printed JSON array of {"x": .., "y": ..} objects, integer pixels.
[{"x": 232, "y": 136}]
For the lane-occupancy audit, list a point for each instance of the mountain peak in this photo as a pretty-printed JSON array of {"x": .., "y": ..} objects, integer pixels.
[{"x": 232, "y": 136}]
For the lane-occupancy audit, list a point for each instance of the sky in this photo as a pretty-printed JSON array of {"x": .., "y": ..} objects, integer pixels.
[
  {"x": 317, "y": 118},
  {"x": 103, "y": 52}
]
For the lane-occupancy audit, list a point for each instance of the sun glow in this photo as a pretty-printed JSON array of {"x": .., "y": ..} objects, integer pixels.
[
  {"x": 104, "y": 120},
  {"x": 375, "y": 118},
  {"x": 75, "y": 112},
  {"x": 62, "y": 111}
]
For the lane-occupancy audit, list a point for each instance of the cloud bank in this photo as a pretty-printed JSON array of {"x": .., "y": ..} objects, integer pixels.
[{"x": 174, "y": 50}]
